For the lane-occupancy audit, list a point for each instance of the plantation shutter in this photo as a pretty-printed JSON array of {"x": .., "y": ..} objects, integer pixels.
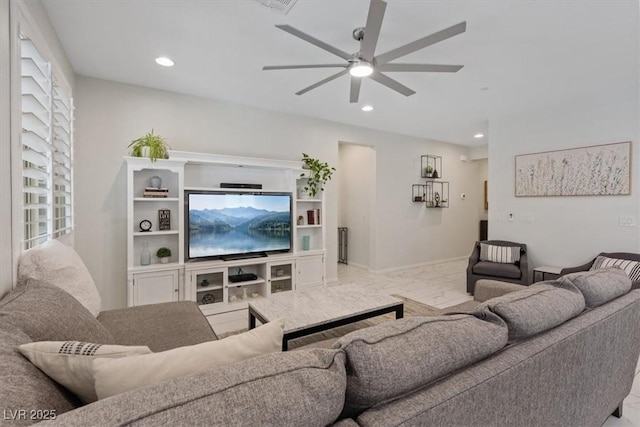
[
  {"x": 62, "y": 161},
  {"x": 36, "y": 145},
  {"x": 47, "y": 151}
]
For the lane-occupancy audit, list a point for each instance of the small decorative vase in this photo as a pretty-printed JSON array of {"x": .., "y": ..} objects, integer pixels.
[
  {"x": 306, "y": 243},
  {"x": 244, "y": 293},
  {"x": 155, "y": 182},
  {"x": 145, "y": 256},
  {"x": 164, "y": 260}
]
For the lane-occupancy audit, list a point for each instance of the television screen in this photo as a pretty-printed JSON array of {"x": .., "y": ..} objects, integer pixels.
[{"x": 227, "y": 224}]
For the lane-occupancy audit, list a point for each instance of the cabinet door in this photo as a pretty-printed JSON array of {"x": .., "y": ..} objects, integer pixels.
[
  {"x": 152, "y": 288},
  {"x": 310, "y": 271}
]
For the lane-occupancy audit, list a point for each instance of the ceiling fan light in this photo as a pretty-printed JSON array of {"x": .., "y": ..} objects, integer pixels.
[{"x": 361, "y": 69}]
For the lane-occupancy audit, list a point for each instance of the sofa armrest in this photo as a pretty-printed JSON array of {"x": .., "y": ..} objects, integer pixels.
[
  {"x": 487, "y": 289},
  {"x": 583, "y": 267},
  {"x": 159, "y": 326}
]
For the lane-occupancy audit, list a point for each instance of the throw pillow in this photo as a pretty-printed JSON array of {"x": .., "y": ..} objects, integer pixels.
[
  {"x": 58, "y": 264},
  {"x": 47, "y": 313},
  {"x": 632, "y": 268},
  {"x": 502, "y": 254},
  {"x": 69, "y": 363},
  {"x": 114, "y": 376}
]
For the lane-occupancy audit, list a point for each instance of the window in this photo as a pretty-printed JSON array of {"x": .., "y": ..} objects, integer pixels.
[{"x": 47, "y": 156}]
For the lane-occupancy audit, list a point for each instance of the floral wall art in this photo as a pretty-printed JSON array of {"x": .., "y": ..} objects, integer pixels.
[{"x": 586, "y": 171}]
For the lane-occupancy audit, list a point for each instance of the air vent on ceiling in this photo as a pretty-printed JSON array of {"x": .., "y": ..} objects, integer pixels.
[{"x": 280, "y": 6}]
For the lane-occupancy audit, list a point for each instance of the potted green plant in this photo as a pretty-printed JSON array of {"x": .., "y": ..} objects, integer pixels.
[
  {"x": 163, "y": 255},
  {"x": 150, "y": 145},
  {"x": 318, "y": 175},
  {"x": 428, "y": 171}
]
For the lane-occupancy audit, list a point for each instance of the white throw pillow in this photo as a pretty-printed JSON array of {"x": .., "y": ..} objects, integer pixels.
[
  {"x": 502, "y": 254},
  {"x": 114, "y": 376},
  {"x": 60, "y": 265},
  {"x": 69, "y": 363}
]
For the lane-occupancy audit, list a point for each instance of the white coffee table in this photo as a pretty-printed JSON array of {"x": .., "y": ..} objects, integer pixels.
[{"x": 317, "y": 310}]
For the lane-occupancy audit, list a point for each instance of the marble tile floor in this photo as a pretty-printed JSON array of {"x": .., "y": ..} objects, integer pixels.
[{"x": 444, "y": 284}]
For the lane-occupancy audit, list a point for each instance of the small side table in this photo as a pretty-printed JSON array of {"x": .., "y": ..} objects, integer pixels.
[{"x": 546, "y": 272}]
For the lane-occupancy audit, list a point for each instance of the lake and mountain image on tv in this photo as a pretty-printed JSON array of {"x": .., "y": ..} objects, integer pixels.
[{"x": 229, "y": 224}]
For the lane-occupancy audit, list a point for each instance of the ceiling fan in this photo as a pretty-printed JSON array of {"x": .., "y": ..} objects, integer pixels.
[{"x": 366, "y": 63}]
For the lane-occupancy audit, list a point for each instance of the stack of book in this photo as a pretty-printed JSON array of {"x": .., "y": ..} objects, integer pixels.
[
  {"x": 313, "y": 217},
  {"x": 156, "y": 192}
]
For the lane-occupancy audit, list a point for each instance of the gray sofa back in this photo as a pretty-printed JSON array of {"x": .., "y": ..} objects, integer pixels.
[{"x": 573, "y": 375}]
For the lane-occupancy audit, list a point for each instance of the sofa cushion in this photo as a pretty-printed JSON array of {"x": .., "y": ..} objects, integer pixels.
[
  {"x": 631, "y": 268},
  {"x": 601, "y": 285},
  {"x": 159, "y": 326},
  {"x": 47, "y": 313},
  {"x": 535, "y": 309},
  {"x": 502, "y": 254},
  {"x": 398, "y": 357},
  {"x": 115, "y": 376},
  {"x": 23, "y": 386},
  {"x": 60, "y": 265},
  {"x": 303, "y": 388},
  {"x": 497, "y": 269},
  {"x": 69, "y": 362}
]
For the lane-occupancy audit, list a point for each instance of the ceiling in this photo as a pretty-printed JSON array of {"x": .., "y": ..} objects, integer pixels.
[{"x": 518, "y": 55}]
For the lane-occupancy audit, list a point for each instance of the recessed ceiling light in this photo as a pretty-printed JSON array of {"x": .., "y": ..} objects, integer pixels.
[
  {"x": 478, "y": 135},
  {"x": 164, "y": 61},
  {"x": 361, "y": 69},
  {"x": 367, "y": 108}
]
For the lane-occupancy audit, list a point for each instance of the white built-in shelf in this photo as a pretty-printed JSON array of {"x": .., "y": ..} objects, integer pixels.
[
  {"x": 209, "y": 288},
  {"x": 154, "y": 267},
  {"x": 279, "y": 278},
  {"x": 310, "y": 226},
  {"x": 155, "y": 233},
  {"x": 156, "y": 199},
  {"x": 310, "y": 200},
  {"x": 258, "y": 281},
  {"x": 246, "y": 301}
]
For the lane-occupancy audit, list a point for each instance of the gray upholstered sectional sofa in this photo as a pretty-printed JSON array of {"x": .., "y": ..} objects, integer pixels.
[{"x": 556, "y": 353}]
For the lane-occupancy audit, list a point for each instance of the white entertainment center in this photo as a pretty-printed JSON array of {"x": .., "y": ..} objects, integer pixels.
[{"x": 207, "y": 281}]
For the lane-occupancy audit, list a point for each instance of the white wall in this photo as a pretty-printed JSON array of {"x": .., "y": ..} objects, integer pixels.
[
  {"x": 566, "y": 230},
  {"x": 109, "y": 115},
  {"x": 356, "y": 182},
  {"x": 483, "y": 175}
]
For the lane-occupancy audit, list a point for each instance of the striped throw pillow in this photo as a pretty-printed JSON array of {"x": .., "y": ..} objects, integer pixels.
[
  {"x": 503, "y": 254},
  {"x": 632, "y": 268}
]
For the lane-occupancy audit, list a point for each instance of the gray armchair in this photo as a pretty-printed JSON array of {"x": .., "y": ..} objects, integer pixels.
[{"x": 513, "y": 273}]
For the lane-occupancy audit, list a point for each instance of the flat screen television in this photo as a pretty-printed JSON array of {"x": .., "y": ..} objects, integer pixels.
[{"x": 232, "y": 225}]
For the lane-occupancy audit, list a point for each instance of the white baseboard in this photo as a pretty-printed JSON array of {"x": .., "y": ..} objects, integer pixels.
[{"x": 422, "y": 264}]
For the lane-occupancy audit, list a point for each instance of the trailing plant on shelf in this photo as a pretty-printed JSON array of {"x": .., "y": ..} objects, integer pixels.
[
  {"x": 164, "y": 254},
  {"x": 319, "y": 174},
  {"x": 150, "y": 145}
]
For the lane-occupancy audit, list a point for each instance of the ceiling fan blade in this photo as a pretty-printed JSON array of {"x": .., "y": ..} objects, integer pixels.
[
  {"x": 295, "y": 67},
  {"x": 391, "y": 84},
  {"x": 372, "y": 29},
  {"x": 321, "y": 82},
  {"x": 314, "y": 41},
  {"x": 429, "y": 68},
  {"x": 355, "y": 89},
  {"x": 422, "y": 43}
]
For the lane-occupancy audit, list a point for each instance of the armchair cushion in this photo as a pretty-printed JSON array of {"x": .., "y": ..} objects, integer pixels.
[
  {"x": 497, "y": 269},
  {"x": 501, "y": 254},
  {"x": 631, "y": 268}
]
